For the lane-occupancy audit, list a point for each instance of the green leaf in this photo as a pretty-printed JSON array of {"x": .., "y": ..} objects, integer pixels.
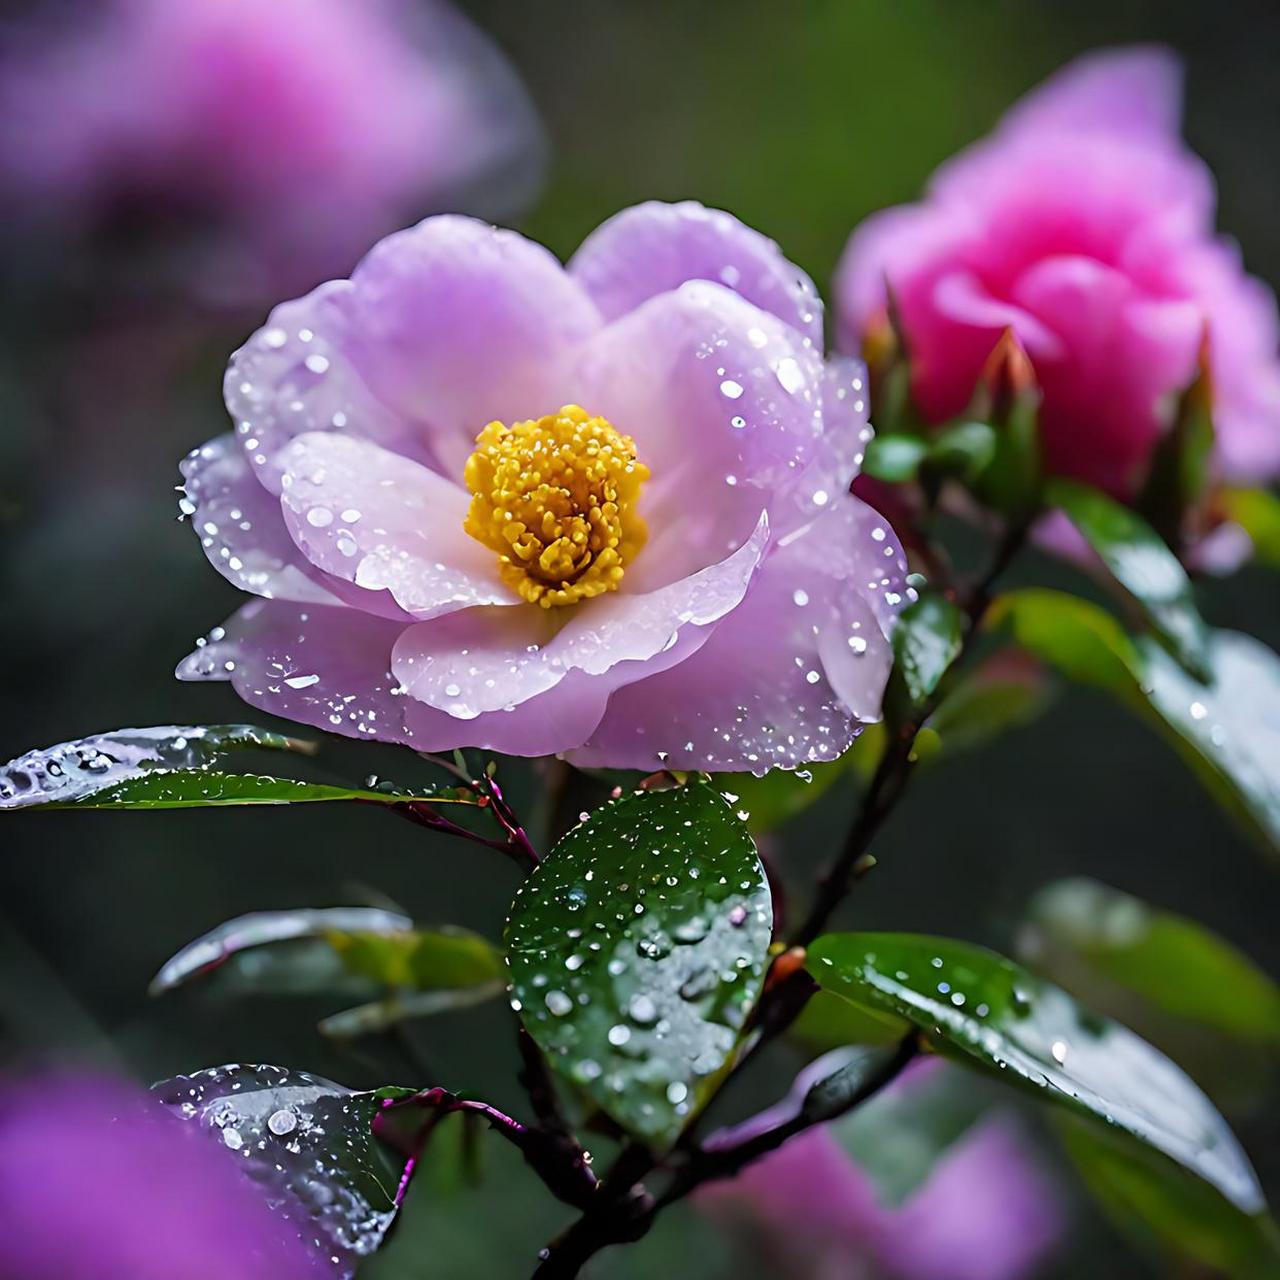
[
  {"x": 382, "y": 1015},
  {"x": 1169, "y": 1211},
  {"x": 421, "y": 959},
  {"x": 170, "y": 767},
  {"x": 1006, "y": 692},
  {"x": 637, "y": 948},
  {"x": 1142, "y": 564},
  {"x": 1083, "y": 641},
  {"x": 779, "y": 795},
  {"x": 1179, "y": 475},
  {"x": 308, "y": 1144},
  {"x": 893, "y": 458},
  {"x": 829, "y": 1022},
  {"x": 964, "y": 451},
  {"x": 1228, "y": 730},
  {"x": 926, "y": 641},
  {"x": 352, "y": 950},
  {"x": 1257, "y": 512},
  {"x": 989, "y": 1012},
  {"x": 1081, "y": 931}
]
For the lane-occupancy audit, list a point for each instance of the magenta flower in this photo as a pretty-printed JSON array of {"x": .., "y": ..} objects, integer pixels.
[
  {"x": 601, "y": 511},
  {"x": 261, "y": 145},
  {"x": 99, "y": 1182},
  {"x": 1085, "y": 225},
  {"x": 986, "y": 1212}
]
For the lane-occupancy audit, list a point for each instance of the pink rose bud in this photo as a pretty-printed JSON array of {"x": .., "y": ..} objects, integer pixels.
[{"x": 1083, "y": 226}]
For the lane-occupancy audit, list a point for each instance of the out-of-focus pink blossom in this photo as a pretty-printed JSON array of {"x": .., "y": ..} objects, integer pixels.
[
  {"x": 985, "y": 1212},
  {"x": 99, "y": 1182},
  {"x": 1085, "y": 225},
  {"x": 601, "y": 511},
  {"x": 250, "y": 147}
]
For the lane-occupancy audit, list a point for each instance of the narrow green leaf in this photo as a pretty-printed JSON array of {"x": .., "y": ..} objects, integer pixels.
[
  {"x": 1179, "y": 475},
  {"x": 926, "y": 641},
  {"x": 419, "y": 959},
  {"x": 1167, "y": 1210},
  {"x": 893, "y": 458},
  {"x": 309, "y": 1145},
  {"x": 1078, "y": 930},
  {"x": 382, "y": 1015},
  {"x": 339, "y": 950},
  {"x": 171, "y": 767},
  {"x": 1142, "y": 564},
  {"x": 1257, "y": 512},
  {"x": 991, "y": 1013},
  {"x": 637, "y": 948},
  {"x": 1006, "y": 692},
  {"x": 1083, "y": 641},
  {"x": 964, "y": 450},
  {"x": 1227, "y": 730}
]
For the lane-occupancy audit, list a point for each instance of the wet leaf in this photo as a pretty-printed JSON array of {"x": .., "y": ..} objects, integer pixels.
[
  {"x": 1168, "y": 1210},
  {"x": 382, "y": 1015},
  {"x": 989, "y": 1012},
  {"x": 309, "y": 1145},
  {"x": 830, "y": 1022},
  {"x": 926, "y": 641},
  {"x": 963, "y": 450},
  {"x": 1000, "y": 695},
  {"x": 1257, "y": 512},
  {"x": 637, "y": 949},
  {"x": 279, "y": 951},
  {"x": 1080, "y": 932},
  {"x": 171, "y": 767},
  {"x": 893, "y": 457},
  {"x": 354, "y": 951},
  {"x": 1227, "y": 730},
  {"x": 1142, "y": 564},
  {"x": 781, "y": 794}
]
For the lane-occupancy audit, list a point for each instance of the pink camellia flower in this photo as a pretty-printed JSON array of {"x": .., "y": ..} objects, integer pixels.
[
  {"x": 1086, "y": 226},
  {"x": 250, "y": 146},
  {"x": 100, "y": 1182},
  {"x": 985, "y": 1212},
  {"x": 600, "y": 510}
]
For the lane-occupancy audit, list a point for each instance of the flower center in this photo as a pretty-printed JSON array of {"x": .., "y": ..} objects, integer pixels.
[{"x": 556, "y": 499}]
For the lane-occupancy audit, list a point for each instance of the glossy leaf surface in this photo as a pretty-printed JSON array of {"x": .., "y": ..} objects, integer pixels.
[
  {"x": 637, "y": 949},
  {"x": 992, "y": 1013}
]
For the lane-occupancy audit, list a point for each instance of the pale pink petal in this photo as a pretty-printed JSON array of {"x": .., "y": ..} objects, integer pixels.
[
  {"x": 331, "y": 668},
  {"x": 655, "y": 247},
  {"x": 482, "y": 660},
  {"x": 239, "y": 526},
  {"x": 725, "y": 406},
  {"x": 386, "y": 523},
  {"x": 455, "y": 323},
  {"x": 292, "y": 376},
  {"x": 785, "y": 678}
]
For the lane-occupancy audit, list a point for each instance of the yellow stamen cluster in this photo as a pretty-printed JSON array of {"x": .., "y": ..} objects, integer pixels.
[{"x": 556, "y": 499}]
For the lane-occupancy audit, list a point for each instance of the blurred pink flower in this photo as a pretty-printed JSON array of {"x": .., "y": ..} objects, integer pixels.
[
  {"x": 1085, "y": 225},
  {"x": 985, "y": 1212},
  {"x": 100, "y": 1182},
  {"x": 451, "y": 552},
  {"x": 251, "y": 146}
]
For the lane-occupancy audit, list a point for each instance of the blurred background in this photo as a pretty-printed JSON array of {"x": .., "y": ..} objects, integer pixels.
[{"x": 801, "y": 119}]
